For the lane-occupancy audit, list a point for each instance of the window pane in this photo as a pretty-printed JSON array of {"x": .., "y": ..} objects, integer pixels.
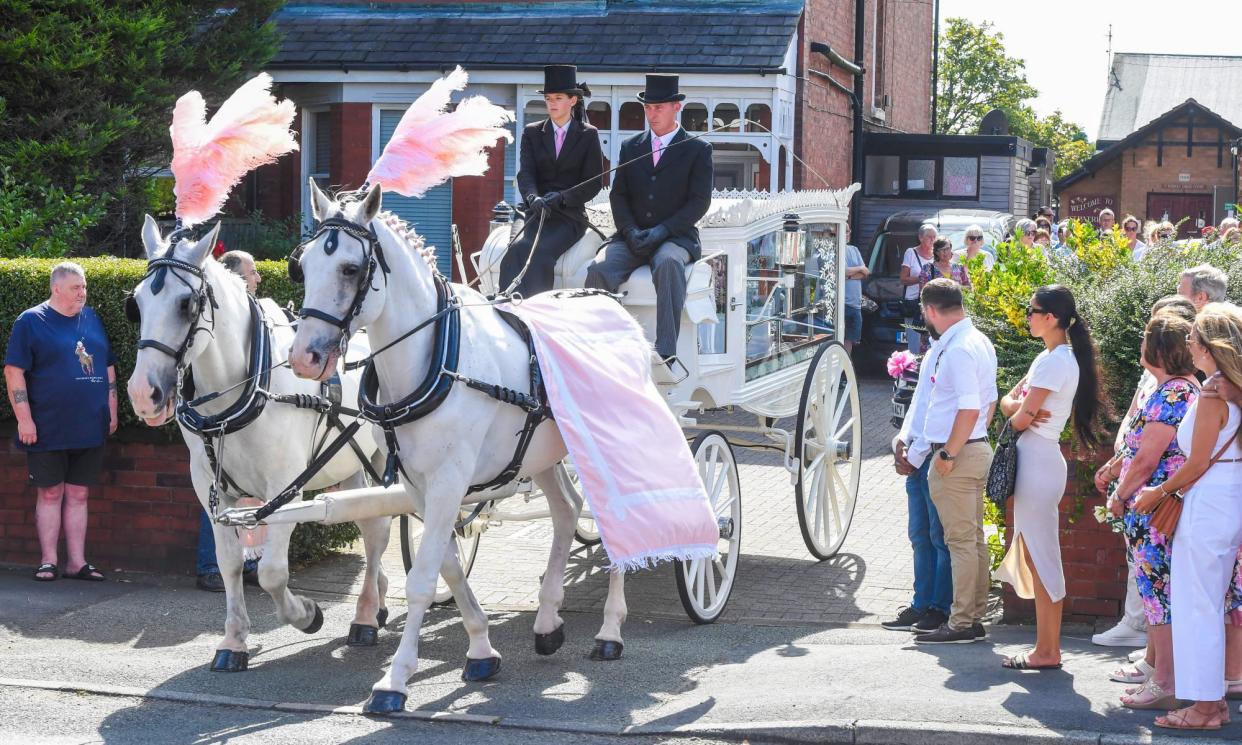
[
  {"x": 883, "y": 175},
  {"x": 535, "y": 110},
  {"x": 323, "y": 144},
  {"x": 761, "y": 115},
  {"x": 726, "y": 114},
  {"x": 599, "y": 114},
  {"x": 961, "y": 177},
  {"x": 921, "y": 175},
  {"x": 632, "y": 117},
  {"x": 712, "y": 335},
  {"x": 694, "y": 117}
]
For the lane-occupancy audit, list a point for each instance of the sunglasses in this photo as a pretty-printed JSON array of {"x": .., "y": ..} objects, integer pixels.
[
  {"x": 974, "y": 237},
  {"x": 1130, "y": 228},
  {"x": 1032, "y": 310}
]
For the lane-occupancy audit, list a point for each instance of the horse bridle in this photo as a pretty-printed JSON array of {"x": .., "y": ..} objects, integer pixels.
[
  {"x": 158, "y": 270},
  {"x": 373, "y": 255}
]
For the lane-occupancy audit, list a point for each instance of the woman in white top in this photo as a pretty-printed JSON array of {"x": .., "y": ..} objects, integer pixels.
[
  {"x": 1209, "y": 532},
  {"x": 911, "y": 270},
  {"x": 1062, "y": 382}
]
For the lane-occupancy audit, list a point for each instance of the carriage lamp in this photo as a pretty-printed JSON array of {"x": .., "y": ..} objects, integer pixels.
[{"x": 791, "y": 243}]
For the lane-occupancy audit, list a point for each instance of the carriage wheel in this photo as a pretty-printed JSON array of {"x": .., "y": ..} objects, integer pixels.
[
  {"x": 585, "y": 532},
  {"x": 467, "y": 549},
  {"x": 829, "y": 451},
  {"x": 705, "y": 584}
]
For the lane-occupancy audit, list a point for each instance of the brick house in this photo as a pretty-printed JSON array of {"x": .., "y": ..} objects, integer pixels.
[
  {"x": 1165, "y": 140},
  {"x": 353, "y": 67}
]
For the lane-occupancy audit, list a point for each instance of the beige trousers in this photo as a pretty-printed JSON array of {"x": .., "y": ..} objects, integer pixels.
[{"x": 958, "y": 498}]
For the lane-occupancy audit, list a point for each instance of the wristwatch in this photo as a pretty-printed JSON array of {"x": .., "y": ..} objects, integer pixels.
[{"x": 944, "y": 455}]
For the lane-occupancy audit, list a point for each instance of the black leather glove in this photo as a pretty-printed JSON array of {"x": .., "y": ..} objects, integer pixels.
[
  {"x": 530, "y": 203},
  {"x": 633, "y": 236},
  {"x": 546, "y": 202},
  {"x": 652, "y": 238},
  {"x": 553, "y": 199}
]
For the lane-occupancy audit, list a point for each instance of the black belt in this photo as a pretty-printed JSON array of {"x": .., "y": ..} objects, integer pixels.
[{"x": 938, "y": 445}]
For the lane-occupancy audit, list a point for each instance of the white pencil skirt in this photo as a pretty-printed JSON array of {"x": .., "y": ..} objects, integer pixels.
[{"x": 1036, "y": 519}]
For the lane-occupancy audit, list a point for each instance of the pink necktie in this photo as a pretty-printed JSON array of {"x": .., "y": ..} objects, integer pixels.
[
  {"x": 657, "y": 145},
  {"x": 560, "y": 140}
]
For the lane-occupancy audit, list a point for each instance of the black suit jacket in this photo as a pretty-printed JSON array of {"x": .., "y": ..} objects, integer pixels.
[
  {"x": 541, "y": 171},
  {"x": 675, "y": 193}
]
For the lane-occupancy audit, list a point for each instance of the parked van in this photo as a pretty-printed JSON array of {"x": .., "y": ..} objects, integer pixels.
[{"x": 883, "y": 330}]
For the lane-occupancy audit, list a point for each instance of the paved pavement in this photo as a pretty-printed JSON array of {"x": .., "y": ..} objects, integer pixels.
[
  {"x": 778, "y": 579},
  {"x": 797, "y": 656}
]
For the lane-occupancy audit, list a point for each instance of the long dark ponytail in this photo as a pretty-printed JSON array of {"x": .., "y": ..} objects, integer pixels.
[{"x": 1059, "y": 301}]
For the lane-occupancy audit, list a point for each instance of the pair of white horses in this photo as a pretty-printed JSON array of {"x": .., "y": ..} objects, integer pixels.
[{"x": 468, "y": 439}]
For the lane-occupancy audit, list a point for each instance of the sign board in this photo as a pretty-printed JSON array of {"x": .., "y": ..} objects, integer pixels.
[{"x": 1087, "y": 206}]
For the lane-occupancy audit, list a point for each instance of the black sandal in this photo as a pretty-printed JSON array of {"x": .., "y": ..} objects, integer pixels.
[
  {"x": 88, "y": 572},
  {"x": 46, "y": 569}
]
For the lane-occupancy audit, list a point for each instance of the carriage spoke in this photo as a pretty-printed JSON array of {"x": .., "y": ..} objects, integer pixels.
[
  {"x": 711, "y": 582},
  {"x": 848, "y": 423},
  {"x": 720, "y": 565},
  {"x": 700, "y": 570},
  {"x": 718, "y": 485},
  {"x": 808, "y": 442},
  {"x": 845, "y": 399},
  {"x": 818, "y": 463}
]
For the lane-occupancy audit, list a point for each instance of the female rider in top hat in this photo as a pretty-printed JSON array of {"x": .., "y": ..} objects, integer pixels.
[{"x": 557, "y": 154}]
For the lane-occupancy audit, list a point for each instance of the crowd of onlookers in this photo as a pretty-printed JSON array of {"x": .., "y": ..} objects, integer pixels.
[{"x": 1176, "y": 470}]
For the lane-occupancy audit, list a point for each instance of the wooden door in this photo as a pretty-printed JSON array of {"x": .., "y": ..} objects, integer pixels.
[{"x": 1178, "y": 206}]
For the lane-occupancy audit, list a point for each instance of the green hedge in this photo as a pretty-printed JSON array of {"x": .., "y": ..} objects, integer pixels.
[{"x": 24, "y": 284}]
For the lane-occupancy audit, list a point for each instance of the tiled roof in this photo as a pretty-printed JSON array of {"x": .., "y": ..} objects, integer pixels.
[
  {"x": 666, "y": 35},
  {"x": 1142, "y": 87}
]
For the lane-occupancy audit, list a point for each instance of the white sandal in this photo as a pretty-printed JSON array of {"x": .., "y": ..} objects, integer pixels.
[{"x": 1140, "y": 673}]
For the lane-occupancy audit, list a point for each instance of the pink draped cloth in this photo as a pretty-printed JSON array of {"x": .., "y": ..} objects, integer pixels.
[{"x": 634, "y": 466}]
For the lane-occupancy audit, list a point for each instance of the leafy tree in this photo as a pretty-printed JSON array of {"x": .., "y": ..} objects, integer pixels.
[
  {"x": 976, "y": 76},
  {"x": 87, "y": 89}
]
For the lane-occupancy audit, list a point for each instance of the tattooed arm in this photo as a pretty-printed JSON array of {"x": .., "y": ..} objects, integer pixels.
[
  {"x": 19, "y": 399},
  {"x": 112, "y": 398}
]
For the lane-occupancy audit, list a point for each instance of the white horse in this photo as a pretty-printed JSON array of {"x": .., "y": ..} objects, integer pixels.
[
  {"x": 195, "y": 309},
  {"x": 388, "y": 287}
]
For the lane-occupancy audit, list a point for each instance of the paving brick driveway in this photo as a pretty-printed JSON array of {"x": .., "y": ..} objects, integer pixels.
[{"x": 778, "y": 580}]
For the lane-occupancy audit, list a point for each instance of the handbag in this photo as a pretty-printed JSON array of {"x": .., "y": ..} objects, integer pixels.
[
  {"x": 1003, "y": 473},
  {"x": 1168, "y": 510}
]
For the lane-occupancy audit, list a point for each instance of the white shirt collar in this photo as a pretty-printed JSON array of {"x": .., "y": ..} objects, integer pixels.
[
  {"x": 561, "y": 129},
  {"x": 956, "y": 330},
  {"x": 666, "y": 138}
]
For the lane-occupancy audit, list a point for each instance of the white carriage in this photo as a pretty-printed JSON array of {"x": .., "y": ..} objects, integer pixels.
[{"x": 761, "y": 332}]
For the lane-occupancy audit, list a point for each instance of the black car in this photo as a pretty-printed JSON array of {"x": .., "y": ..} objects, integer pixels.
[{"x": 883, "y": 330}]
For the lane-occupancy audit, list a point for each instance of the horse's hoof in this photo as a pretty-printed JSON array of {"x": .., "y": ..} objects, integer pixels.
[
  {"x": 546, "y": 644},
  {"x": 384, "y": 702},
  {"x": 316, "y": 622},
  {"x": 607, "y": 650},
  {"x": 477, "y": 671},
  {"x": 228, "y": 661},
  {"x": 381, "y": 618},
  {"x": 361, "y": 635}
]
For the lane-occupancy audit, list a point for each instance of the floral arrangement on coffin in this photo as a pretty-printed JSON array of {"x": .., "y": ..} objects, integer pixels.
[
  {"x": 1104, "y": 516},
  {"x": 900, "y": 363}
]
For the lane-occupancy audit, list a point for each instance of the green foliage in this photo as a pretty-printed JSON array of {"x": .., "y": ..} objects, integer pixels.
[
  {"x": 977, "y": 75},
  {"x": 24, "y": 284},
  {"x": 314, "y": 541},
  {"x": 272, "y": 238},
  {"x": 86, "y": 93}
]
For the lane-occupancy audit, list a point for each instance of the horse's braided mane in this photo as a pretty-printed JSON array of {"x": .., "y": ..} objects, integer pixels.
[{"x": 414, "y": 242}]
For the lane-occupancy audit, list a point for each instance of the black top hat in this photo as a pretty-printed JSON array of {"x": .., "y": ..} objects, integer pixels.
[
  {"x": 563, "y": 79},
  {"x": 661, "y": 88}
]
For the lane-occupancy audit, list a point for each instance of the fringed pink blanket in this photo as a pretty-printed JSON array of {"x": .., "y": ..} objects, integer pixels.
[{"x": 636, "y": 471}]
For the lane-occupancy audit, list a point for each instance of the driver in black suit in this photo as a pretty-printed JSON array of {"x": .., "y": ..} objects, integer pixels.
[{"x": 656, "y": 201}]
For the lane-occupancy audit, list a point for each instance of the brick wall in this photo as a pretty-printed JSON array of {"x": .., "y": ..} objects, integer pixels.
[
  {"x": 473, "y": 200},
  {"x": 351, "y": 144},
  {"x": 823, "y": 124},
  {"x": 280, "y": 184},
  {"x": 142, "y": 515},
  {"x": 1092, "y": 556}
]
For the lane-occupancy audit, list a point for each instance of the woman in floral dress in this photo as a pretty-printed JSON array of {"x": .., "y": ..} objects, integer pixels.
[{"x": 1149, "y": 457}]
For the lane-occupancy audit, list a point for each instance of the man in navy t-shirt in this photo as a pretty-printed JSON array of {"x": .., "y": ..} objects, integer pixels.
[{"x": 61, "y": 378}]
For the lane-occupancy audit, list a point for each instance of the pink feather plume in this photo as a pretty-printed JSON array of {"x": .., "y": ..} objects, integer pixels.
[
  {"x": 430, "y": 146},
  {"x": 250, "y": 129}
]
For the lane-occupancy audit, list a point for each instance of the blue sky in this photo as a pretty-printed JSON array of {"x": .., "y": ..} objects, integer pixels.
[{"x": 1064, "y": 42}]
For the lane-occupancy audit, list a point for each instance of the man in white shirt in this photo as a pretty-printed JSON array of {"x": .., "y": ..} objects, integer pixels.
[
  {"x": 955, "y": 427},
  {"x": 933, "y": 570}
]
